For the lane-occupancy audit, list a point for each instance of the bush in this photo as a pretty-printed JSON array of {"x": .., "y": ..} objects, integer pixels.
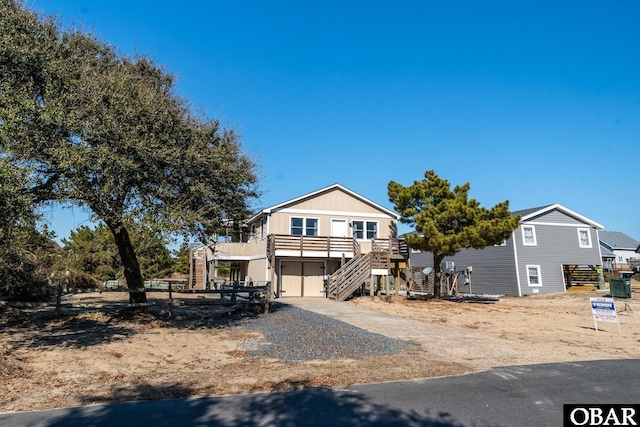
[
  {"x": 81, "y": 280},
  {"x": 32, "y": 292}
]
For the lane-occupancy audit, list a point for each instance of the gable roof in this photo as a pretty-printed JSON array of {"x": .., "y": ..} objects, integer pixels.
[
  {"x": 605, "y": 252},
  {"x": 325, "y": 190},
  {"x": 618, "y": 240},
  {"x": 527, "y": 214}
]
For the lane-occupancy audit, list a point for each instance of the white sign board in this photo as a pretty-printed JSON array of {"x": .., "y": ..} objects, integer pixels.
[{"x": 604, "y": 310}]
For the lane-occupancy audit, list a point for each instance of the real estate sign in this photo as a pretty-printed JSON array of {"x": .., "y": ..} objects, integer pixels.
[{"x": 604, "y": 310}]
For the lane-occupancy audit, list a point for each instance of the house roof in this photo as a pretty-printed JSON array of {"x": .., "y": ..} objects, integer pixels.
[
  {"x": 618, "y": 240},
  {"x": 527, "y": 214},
  {"x": 327, "y": 190},
  {"x": 605, "y": 252}
]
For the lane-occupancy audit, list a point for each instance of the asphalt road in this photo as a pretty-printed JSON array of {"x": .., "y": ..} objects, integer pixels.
[{"x": 518, "y": 396}]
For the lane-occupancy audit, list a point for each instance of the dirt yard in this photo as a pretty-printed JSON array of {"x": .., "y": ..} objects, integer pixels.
[{"x": 102, "y": 356}]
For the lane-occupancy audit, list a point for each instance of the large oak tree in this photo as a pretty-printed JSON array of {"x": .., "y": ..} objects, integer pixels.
[
  {"x": 108, "y": 132},
  {"x": 447, "y": 220}
]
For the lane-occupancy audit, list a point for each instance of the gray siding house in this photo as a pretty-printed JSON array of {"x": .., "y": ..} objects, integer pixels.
[
  {"x": 621, "y": 246},
  {"x": 549, "y": 241}
]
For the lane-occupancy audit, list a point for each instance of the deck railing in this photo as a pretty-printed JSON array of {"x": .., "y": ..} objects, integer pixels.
[
  {"x": 393, "y": 246},
  {"x": 315, "y": 244}
]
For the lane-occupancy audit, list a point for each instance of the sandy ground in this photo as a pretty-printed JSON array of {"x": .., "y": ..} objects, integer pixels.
[
  {"x": 98, "y": 356},
  {"x": 519, "y": 331}
]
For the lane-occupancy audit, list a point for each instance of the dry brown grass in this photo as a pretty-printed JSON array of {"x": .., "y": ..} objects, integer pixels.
[{"x": 97, "y": 357}]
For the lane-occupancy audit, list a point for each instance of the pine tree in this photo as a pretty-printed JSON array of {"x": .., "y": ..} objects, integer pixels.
[{"x": 446, "y": 220}]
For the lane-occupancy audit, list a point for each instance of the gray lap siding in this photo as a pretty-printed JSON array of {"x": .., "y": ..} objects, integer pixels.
[
  {"x": 493, "y": 268},
  {"x": 555, "y": 245}
]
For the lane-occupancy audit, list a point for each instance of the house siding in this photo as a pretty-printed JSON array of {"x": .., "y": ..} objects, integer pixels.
[
  {"x": 557, "y": 243},
  {"x": 498, "y": 269},
  {"x": 493, "y": 268},
  {"x": 555, "y": 217},
  {"x": 335, "y": 200},
  {"x": 332, "y": 203},
  {"x": 257, "y": 270},
  {"x": 335, "y": 204}
]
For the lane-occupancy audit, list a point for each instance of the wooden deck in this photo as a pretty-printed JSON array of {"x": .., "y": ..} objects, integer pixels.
[{"x": 282, "y": 245}]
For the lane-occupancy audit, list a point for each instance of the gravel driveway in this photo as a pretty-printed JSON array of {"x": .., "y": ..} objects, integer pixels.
[{"x": 292, "y": 334}]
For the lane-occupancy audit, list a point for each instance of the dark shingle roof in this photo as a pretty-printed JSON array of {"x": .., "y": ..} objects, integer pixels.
[
  {"x": 605, "y": 252},
  {"x": 618, "y": 240},
  {"x": 525, "y": 212}
]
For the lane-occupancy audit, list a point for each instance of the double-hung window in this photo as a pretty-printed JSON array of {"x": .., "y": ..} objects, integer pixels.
[
  {"x": 533, "y": 275},
  {"x": 584, "y": 237},
  {"x": 304, "y": 226},
  {"x": 372, "y": 230},
  {"x": 365, "y": 230},
  {"x": 297, "y": 226},
  {"x": 311, "y": 227},
  {"x": 529, "y": 235}
]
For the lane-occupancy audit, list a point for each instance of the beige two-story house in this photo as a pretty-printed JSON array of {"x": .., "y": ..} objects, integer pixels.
[{"x": 301, "y": 244}]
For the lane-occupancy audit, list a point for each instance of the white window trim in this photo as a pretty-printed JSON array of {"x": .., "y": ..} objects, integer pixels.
[
  {"x": 534, "y": 285},
  {"x": 535, "y": 239},
  {"x": 304, "y": 226},
  {"x": 588, "y": 245},
  {"x": 364, "y": 229},
  {"x": 317, "y": 226}
]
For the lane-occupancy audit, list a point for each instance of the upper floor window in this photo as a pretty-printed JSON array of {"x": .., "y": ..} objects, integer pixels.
[
  {"x": 304, "y": 226},
  {"x": 584, "y": 237},
  {"x": 529, "y": 235},
  {"x": 365, "y": 229},
  {"x": 311, "y": 227}
]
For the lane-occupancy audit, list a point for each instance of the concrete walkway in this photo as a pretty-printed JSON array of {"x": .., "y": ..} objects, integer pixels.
[
  {"x": 470, "y": 348},
  {"x": 373, "y": 321}
]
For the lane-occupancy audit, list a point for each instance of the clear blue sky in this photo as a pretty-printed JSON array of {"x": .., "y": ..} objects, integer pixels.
[{"x": 534, "y": 102}]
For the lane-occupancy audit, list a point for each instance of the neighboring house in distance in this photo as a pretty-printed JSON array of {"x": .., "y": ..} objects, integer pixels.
[
  {"x": 298, "y": 244},
  {"x": 608, "y": 258},
  {"x": 622, "y": 246},
  {"x": 551, "y": 245}
]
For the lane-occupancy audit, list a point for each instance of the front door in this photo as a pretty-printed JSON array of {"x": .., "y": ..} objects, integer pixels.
[{"x": 339, "y": 228}]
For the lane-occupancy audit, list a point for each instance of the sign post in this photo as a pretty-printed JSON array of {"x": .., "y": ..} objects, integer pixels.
[{"x": 604, "y": 310}]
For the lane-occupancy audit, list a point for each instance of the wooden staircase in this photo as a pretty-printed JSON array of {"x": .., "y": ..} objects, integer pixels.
[{"x": 353, "y": 274}]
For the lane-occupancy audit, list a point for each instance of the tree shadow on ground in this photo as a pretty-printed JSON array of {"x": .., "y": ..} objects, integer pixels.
[
  {"x": 309, "y": 407},
  {"x": 80, "y": 328},
  {"x": 64, "y": 331}
]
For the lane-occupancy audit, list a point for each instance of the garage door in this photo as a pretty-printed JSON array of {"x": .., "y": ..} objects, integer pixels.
[
  {"x": 313, "y": 279},
  {"x": 290, "y": 271},
  {"x": 302, "y": 278}
]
